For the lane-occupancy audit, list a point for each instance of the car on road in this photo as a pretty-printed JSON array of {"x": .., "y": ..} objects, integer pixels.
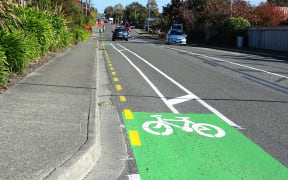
[
  {"x": 120, "y": 33},
  {"x": 176, "y": 36}
]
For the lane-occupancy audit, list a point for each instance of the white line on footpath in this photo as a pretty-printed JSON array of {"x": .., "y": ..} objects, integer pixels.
[
  {"x": 170, "y": 103},
  {"x": 275, "y": 74}
]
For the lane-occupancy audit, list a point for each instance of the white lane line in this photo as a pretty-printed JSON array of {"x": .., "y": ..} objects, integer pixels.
[
  {"x": 169, "y": 104},
  {"x": 181, "y": 99},
  {"x": 140, "y": 41},
  {"x": 148, "y": 81},
  {"x": 275, "y": 74}
]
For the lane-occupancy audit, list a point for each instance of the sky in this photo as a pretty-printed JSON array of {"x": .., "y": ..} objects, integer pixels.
[{"x": 102, "y": 4}]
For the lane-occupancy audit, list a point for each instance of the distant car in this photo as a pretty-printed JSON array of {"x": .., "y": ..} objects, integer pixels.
[
  {"x": 106, "y": 22},
  {"x": 120, "y": 33},
  {"x": 176, "y": 36}
]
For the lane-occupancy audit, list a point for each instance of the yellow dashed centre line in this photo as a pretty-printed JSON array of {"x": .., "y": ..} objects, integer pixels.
[
  {"x": 128, "y": 114},
  {"x": 118, "y": 87},
  {"x": 122, "y": 98},
  {"x": 110, "y": 64},
  {"x": 109, "y": 61},
  {"x": 116, "y": 79},
  {"x": 112, "y": 69},
  {"x": 134, "y": 138},
  {"x": 114, "y": 73}
]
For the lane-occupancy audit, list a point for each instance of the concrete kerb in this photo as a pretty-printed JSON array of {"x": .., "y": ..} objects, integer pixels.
[{"x": 82, "y": 161}]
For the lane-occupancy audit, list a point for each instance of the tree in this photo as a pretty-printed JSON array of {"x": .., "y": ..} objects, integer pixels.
[
  {"x": 217, "y": 11},
  {"x": 282, "y": 3},
  {"x": 196, "y": 4},
  {"x": 136, "y": 14},
  {"x": 241, "y": 8},
  {"x": 118, "y": 13},
  {"x": 108, "y": 11},
  {"x": 153, "y": 6},
  {"x": 269, "y": 15}
]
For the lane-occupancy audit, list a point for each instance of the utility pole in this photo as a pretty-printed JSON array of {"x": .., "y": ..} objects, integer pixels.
[
  {"x": 231, "y": 8},
  {"x": 149, "y": 20},
  {"x": 86, "y": 7}
]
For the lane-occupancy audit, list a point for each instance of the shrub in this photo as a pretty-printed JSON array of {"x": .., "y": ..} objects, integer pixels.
[
  {"x": 81, "y": 34},
  {"x": 4, "y": 71},
  {"x": 14, "y": 48},
  {"x": 237, "y": 26},
  {"x": 39, "y": 25}
]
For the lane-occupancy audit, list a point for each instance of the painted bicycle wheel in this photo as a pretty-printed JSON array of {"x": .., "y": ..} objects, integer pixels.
[{"x": 157, "y": 128}]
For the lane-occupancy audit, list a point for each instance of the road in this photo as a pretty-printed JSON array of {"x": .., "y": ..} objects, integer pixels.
[{"x": 198, "y": 113}]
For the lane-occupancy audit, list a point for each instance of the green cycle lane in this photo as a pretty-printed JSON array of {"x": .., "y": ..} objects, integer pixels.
[{"x": 166, "y": 147}]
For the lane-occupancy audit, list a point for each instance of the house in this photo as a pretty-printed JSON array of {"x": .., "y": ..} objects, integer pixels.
[{"x": 285, "y": 10}]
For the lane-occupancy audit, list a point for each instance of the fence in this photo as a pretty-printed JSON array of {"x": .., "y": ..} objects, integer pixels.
[{"x": 270, "y": 38}]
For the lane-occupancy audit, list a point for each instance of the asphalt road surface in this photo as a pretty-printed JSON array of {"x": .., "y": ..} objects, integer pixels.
[{"x": 198, "y": 113}]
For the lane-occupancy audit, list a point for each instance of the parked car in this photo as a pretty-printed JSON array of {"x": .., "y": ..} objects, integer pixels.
[
  {"x": 176, "y": 36},
  {"x": 120, "y": 33}
]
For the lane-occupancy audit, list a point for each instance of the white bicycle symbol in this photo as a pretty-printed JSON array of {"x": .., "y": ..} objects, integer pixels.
[{"x": 201, "y": 128}]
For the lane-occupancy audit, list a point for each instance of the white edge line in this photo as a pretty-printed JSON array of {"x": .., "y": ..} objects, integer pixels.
[
  {"x": 148, "y": 81},
  {"x": 216, "y": 112},
  {"x": 275, "y": 74},
  {"x": 159, "y": 71}
]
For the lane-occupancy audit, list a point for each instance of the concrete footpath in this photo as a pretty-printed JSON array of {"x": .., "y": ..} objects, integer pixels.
[{"x": 46, "y": 117}]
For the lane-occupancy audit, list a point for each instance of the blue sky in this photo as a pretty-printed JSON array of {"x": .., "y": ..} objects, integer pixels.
[{"x": 102, "y": 4}]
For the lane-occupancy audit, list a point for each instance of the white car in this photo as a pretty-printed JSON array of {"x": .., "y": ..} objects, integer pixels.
[{"x": 176, "y": 36}]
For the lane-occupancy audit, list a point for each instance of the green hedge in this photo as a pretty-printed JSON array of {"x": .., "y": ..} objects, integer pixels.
[
  {"x": 237, "y": 26},
  {"x": 4, "y": 71},
  {"x": 42, "y": 32},
  {"x": 14, "y": 48},
  {"x": 81, "y": 34}
]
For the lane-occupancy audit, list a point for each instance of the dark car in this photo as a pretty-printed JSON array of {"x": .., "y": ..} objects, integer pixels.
[{"x": 120, "y": 33}]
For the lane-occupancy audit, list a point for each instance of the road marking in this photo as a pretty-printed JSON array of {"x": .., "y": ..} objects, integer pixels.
[
  {"x": 118, "y": 87},
  {"x": 168, "y": 103},
  {"x": 181, "y": 99},
  {"x": 114, "y": 73},
  {"x": 116, "y": 79},
  {"x": 110, "y": 65},
  {"x": 275, "y": 74},
  {"x": 112, "y": 69},
  {"x": 197, "y": 147},
  {"x": 128, "y": 114},
  {"x": 134, "y": 177},
  {"x": 134, "y": 138},
  {"x": 148, "y": 81},
  {"x": 109, "y": 62},
  {"x": 122, "y": 98}
]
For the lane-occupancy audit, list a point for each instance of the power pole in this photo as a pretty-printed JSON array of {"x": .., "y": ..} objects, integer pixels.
[
  {"x": 149, "y": 21},
  {"x": 86, "y": 7}
]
